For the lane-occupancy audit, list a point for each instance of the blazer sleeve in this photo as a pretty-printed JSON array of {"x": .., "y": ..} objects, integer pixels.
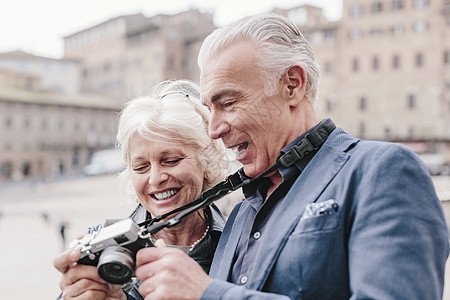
[{"x": 398, "y": 238}]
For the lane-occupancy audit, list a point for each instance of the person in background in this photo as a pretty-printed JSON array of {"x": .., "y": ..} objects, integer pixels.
[
  {"x": 170, "y": 161},
  {"x": 347, "y": 219}
]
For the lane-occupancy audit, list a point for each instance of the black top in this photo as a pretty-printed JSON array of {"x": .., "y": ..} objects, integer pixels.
[{"x": 203, "y": 253}]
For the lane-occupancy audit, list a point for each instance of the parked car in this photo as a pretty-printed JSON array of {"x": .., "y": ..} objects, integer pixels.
[
  {"x": 436, "y": 163},
  {"x": 105, "y": 162}
]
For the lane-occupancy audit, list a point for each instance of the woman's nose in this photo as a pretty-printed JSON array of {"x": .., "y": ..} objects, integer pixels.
[{"x": 157, "y": 176}]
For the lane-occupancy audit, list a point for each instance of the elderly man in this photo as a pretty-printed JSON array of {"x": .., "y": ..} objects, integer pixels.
[
  {"x": 336, "y": 218},
  {"x": 348, "y": 219}
]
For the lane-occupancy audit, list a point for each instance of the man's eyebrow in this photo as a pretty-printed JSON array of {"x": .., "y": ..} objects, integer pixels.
[{"x": 225, "y": 93}]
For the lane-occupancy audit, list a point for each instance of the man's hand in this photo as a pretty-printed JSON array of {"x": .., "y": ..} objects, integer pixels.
[
  {"x": 168, "y": 273},
  {"x": 83, "y": 282}
]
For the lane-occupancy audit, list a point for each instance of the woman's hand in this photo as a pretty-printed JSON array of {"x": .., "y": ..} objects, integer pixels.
[{"x": 83, "y": 282}]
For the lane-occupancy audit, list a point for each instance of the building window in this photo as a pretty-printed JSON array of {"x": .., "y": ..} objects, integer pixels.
[
  {"x": 398, "y": 29},
  {"x": 419, "y": 4},
  {"x": 76, "y": 126},
  {"x": 447, "y": 57},
  {"x": 397, "y": 4},
  {"x": 26, "y": 123},
  {"x": 387, "y": 133},
  {"x": 420, "y": 26},
  {"x": 355, "y": 65},
  {"x": 375, "y": 63},
  {"x": 26, "y": 169},
  {"x": 411, "y": 101},
  {"x": 6, "y": 170},
  {"x": 362, "y": 129},
  {"x": 411, "y": 133},
  {"x": 8, "y": 123},
  {"x": 107, "y": 67},
  {"x": 419, "y": 60},
  {"x": 376, "y": 7},
  {"x": 328, "y": 34},
  {"x": 355, "y": 34},
  {"x": 376, "y": 32},
  {"x": 327, "y": 68},
  {"x": 362, "y": 104},
  {"x": 329, "y": 104},
  {"x": 76, "y": 157},
  {"x": 44, "y": 124},
  {"x": 7, "y": 146},
  {"x": 356, "y": 10},
  {"x": 171, "y": 62},
  {"x": 396, "y": 62}
]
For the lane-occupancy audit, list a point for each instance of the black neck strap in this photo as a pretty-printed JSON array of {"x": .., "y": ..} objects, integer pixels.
[{"x": 309, "y": 143}]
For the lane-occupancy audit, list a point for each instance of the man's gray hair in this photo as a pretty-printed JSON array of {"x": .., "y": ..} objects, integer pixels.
[{"x": 279, "y": 45}]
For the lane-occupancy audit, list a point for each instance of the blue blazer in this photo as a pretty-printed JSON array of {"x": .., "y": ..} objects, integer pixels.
[{"x": 386, "y": 238}]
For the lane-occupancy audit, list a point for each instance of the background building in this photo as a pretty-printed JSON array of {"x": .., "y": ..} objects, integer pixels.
[
  {"x": 125, "y": 56},
  {"x": 385, "y": 75},
  {"x": 59, "y": 75},
  {"x": 48, "y": 129},
  {"x": 385, "y": 71}
]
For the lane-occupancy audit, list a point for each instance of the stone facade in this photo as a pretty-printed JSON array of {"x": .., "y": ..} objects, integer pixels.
[
  {"x": 385, "y": 69},
  {"x": 46, "y": 134},
  {"x": 385, "y": 75},
  {"x": 125, "y": 56}
]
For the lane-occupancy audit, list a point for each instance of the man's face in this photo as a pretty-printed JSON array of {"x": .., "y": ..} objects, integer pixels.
[{"x": 252, "y": 123}]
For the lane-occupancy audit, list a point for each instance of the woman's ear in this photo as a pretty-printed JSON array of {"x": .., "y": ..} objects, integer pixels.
[{"x": 294, "y": 81}]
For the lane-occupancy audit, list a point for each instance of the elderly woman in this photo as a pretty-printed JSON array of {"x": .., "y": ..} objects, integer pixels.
[{"x": 170, "y": 162}]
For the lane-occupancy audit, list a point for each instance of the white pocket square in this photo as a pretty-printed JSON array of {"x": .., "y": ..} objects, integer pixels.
[{"x": 313, "y": 210}]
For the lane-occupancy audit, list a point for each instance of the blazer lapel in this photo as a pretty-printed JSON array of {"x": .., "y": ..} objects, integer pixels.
[{"x": 307, "y": 188}]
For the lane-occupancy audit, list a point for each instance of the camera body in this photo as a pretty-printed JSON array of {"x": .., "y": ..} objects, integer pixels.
[{"x": 113, "y": 250}]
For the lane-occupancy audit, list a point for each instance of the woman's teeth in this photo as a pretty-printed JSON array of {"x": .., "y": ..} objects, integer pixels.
[{"x": 165, "y": 195}]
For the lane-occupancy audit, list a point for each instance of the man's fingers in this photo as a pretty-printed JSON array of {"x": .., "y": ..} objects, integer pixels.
[
  {"x": 150, "y": 254},
  {"x": 160, "y": 243},
  {"x": 65, "y": 260}
]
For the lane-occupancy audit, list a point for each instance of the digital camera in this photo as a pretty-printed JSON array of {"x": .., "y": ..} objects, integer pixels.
[{"x": 113, "y": 250}]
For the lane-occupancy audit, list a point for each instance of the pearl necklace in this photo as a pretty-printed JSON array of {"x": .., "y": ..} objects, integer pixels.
[
  {"x": 200, "y": 239},
  {"x": 191, "y": 247}
]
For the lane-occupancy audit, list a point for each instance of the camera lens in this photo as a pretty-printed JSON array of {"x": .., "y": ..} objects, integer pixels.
[{"x": 116, "y": 265}]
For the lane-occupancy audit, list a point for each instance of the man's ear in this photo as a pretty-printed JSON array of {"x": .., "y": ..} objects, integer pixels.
[{"x": 294, "y": 84}]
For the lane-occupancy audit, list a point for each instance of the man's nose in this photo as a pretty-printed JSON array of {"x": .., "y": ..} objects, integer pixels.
[{"x": 218, "y": 126}]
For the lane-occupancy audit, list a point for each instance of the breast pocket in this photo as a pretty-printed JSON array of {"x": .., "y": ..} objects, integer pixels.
[{"x": 319, "y": 216}]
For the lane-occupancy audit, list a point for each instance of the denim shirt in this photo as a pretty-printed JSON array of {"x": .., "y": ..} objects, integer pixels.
[{"x": 263, "y": 208}]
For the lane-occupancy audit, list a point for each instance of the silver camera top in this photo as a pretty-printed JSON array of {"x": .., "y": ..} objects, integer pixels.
[{"x": 121, "y": 233}]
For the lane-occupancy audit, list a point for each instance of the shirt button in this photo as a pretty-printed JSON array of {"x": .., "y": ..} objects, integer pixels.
[
  {"x": 257, "y": 234},
  {"x": 244, "y": 279}
]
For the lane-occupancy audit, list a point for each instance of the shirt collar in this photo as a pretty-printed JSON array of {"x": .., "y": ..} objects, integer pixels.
[{"x": 251, "y": 190}]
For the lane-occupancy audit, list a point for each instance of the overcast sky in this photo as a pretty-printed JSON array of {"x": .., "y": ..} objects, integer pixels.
[{"x": 38, "y": 26}]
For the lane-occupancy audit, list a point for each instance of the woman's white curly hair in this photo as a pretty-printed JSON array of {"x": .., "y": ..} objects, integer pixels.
[{"x": 172, "y": 112}]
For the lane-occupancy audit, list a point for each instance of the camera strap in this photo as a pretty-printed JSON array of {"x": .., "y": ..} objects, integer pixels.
[{"x": 309, "y": 143}]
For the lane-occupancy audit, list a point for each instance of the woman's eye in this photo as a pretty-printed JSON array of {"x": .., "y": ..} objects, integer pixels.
[
  {"x": 173, "y": 161},
  {"x": 139, "y": 168}
]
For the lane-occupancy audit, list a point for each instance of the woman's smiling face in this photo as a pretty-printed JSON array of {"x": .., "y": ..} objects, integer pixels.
[{"x": 165, "y": 175}]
